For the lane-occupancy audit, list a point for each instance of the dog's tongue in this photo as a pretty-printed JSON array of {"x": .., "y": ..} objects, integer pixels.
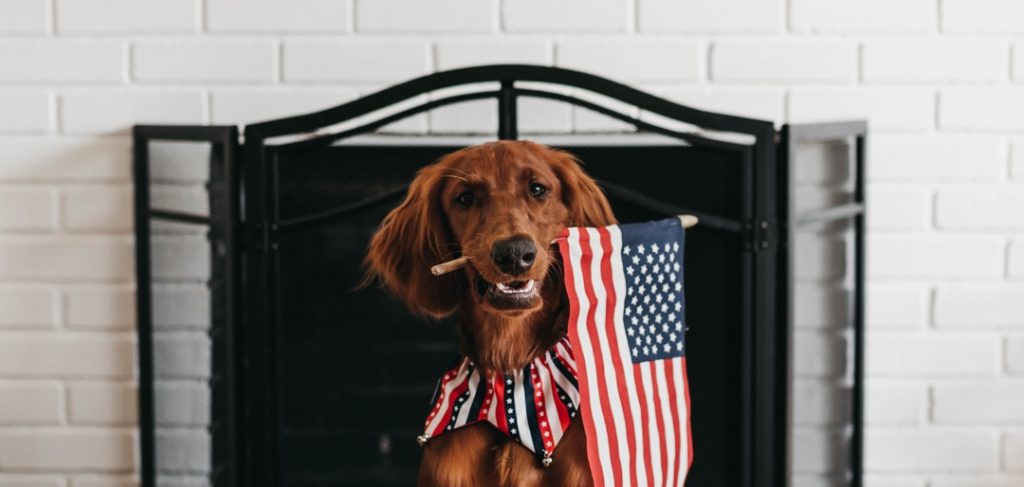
[{"x": 514, "y": 287}]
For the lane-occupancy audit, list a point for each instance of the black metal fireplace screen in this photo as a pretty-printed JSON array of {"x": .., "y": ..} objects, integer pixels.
[{"x": 260, "y": 364}]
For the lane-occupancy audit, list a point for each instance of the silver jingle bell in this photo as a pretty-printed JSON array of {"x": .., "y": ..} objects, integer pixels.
[
  {"x": 546, "y": 461},
  {"x": 422, "y": 439}
]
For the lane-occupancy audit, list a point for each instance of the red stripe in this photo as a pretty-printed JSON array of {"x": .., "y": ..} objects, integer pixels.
[
  {"x": 645, "y": 417},
  {"x": 674, "y": 410},
  {"x": 689, "y": 430},
  {"x": 613, "y": 342},
  {"x": 584, "y": 382},
  {"x": 499, "y": 395},
  {"x": 660, "y": 415},
  {"x": 461, "y": 388}
]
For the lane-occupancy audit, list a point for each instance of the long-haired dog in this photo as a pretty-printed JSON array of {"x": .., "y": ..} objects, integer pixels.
[{"x": 500, "y": 205}]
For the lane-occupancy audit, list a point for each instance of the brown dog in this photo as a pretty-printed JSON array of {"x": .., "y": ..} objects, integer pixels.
[{"x": 500, "y": 204}]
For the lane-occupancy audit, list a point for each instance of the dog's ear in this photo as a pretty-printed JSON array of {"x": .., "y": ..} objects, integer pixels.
[
  {"x": 587, "y": 204},
  {"x": 411, "y": 239}
]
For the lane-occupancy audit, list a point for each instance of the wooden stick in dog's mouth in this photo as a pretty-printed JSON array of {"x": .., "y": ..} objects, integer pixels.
[{"x": 456, "y": 264}]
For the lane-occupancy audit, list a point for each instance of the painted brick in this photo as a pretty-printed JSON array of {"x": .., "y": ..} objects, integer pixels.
[
  {"x": 896, "y": 306},
  {"x": 988, "y": 16},
  {"x": 182, "y": 355},
  {"x": 1017, "y": 161},
  {"x": 92, "y": 208},
  {"x": 1015, "y": 261},
  {"x": 1013, "y": 452},
  {"x": 378, "y": 60},
  {"x": 181, "y": 257},
  {"x": 765, "y": 104},
  {"x": 975, "y": 481},
  {"x": 30, "y": 481},
  {"x": 783, "y": 60},
  {"x": 980, "y": 209},
  {"x": 277, "y": 16},
  {"x": 820, "y": 307},
  {"x": 100, "y": 307},
  {"x": 178, "y": 162},
  {"x": 818, "y": 355},
  {"x": 182, "y": 403},
  {"x": 896, "y": 108},
  {"x": 711, "y": 16},
  {"x": 53, "y": 258},
  {"x": 1018, "y": 61},
  {"x": 980, "y": 306},
  {"x": 930, "y": 257},
  {"x": 55, "y": 61},
  {"x": 188, "y": 199},
  {"x": 565, "y": 16},
  {"x": 103, "y": 403},
  {"x": 66, "y": 355},
  {"x": 948, "y": 158},
  {"x": 1015, "y": 355},
  {"x": 115, "y": 113},
  {"x": 990, "y": 108},
  {"x": 33, "y": 403},
  {"x": 816, "y": 450},
  {"x": 870, "y": 16},
  {"x": 24, "y": 113},
  {"x": 900, "y": 403},
  {"x": 65, "y": 159},
  {"x": 899, "y": 209},
  {"x": 989, "y": 402},
  {"x": 26, "y": 209},
  {"x": 247, "y": 106},
  {"x": 181, "y": 306},
  {"x": 27, "y": 306},
  {"x": 183, "y": 451},
  {"x": 118, "y": 481},
  {"x": 632, "y": 60},
  {"x": 976, "y": 355},
  {"x": 125, "y": 16},
  {"x": 892, "y": 480},
  {"x": 24, "y": 17},
  {"x": 934, "y": 450},
  {"x": 819, "y": 257},
  {"x": 187, "y": 61},
  {"x": 67, "y": 451},
  {"x": 462, "y": 53},
  {"x": 543, "y": 116},
  {"x": 817, "y": 402},
  {"x": 439, "y": 16},
  {"x": 916, "y": 60}
]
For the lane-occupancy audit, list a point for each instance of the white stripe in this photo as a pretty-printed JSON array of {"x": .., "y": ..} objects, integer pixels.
[
  {"x": 550, "y": 399},
  {"x": 684, "y": 443},
  {"x": 492, "y": 411},
  {"x": 594, "y": 396},
  {"x": 619, "y": 280},
  {"x": 522, "y": 420},
  {"x": 611, "y": 382},
  {"x": 667, "y": 411},
  {"x": 447, "y": 395},
  {"x": 566, "y": 385},
  {"x": 474, "y": 389},
  {"x": 652, "y": 425}
]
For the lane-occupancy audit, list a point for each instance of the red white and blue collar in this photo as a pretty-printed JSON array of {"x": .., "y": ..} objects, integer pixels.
[{"x": 532, "y": 406}]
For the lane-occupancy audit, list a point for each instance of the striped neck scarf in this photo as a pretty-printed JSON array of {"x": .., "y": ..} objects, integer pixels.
[{"x": 533, "y": 406}]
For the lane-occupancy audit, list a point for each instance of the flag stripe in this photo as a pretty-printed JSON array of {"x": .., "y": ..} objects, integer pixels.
[
  {"x": 665, "y": 419},
  {"x": 593, "y": 419}
]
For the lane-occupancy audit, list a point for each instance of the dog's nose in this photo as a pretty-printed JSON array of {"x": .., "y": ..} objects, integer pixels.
[{"x": 514, "y": 255}]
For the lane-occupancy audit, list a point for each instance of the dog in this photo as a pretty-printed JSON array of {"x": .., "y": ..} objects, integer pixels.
[{"x": 500, "y": 204}]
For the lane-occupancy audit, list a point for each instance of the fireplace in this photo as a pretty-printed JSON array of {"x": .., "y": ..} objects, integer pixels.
[{"x": 260, "y": 363}]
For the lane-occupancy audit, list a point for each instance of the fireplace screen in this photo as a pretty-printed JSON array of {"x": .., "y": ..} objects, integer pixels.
[{"x": 263, "y": 363}]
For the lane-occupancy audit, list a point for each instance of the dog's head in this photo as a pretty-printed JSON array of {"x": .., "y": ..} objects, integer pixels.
[{"x": 500, "y": 204}]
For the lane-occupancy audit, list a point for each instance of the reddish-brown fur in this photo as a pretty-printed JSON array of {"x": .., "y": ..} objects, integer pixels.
[{"x": 430, "y": 227}]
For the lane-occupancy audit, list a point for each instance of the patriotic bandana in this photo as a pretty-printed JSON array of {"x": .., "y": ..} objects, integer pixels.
[{"x": 533, "y": 406}]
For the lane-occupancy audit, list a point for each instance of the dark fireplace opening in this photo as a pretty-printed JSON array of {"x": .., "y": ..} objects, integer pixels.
[{"x": 262, "y": 363}]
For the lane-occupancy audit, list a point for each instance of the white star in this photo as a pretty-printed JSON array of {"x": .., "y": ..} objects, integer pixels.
[
  {"x": 675, "y": 246},
  {"x": 626, "y": 250},
  {"x": 634, "y": 351},
  {"x": 678, "y": 306},
  {"x": 661, "y": 258},
  {"x": 513, "y": 431},
  {"x": 636, "y": 259},
  {"x": 650, "y": 258},
  {"x": 629, "y": 270},
  {"x": 655, "y": 248},
  {"x": 512, "y": 420},
  {"x": 630, "y": 331},
  {"x": 643, "y": 270},
  {"x": 640, "y": 248},
  {"x": 668, "y": 347}
]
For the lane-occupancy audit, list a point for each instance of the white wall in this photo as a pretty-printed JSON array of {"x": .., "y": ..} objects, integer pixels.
[{"x": 941, "y": 80}]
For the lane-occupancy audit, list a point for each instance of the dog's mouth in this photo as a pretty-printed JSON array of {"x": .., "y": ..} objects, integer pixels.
[{"x": 511, "y": 295}]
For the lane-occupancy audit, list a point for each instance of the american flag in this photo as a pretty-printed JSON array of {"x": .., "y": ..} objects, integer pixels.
[{"x": 627, "y": 327}]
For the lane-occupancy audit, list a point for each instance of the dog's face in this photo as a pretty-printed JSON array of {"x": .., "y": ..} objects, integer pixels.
[{"x": 500, "y": 204}]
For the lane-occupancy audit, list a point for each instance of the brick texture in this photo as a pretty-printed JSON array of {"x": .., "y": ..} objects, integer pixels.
[
  {"x": 871, "y": 16},
  {"x": 565, "y": 16},
  {"x": 938, "y": 60},
  {"x": 125, "y": 16},
  {"x": 710, "y": 16},
  {"x": 277, "y": 16},
  {"x": 772, "y": 60},
  {"x": 203, "y": 61}
]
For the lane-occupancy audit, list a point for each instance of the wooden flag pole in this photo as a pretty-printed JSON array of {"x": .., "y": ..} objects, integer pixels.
[{"x": 455, "y": 264}]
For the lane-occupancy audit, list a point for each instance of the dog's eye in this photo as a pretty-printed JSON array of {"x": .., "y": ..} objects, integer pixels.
[
  {"x": 537, "y": 190},
  {"x": 465, "y": 198}
]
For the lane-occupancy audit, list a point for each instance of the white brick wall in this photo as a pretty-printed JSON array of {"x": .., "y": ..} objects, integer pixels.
[{"x": 939, "y": 80}]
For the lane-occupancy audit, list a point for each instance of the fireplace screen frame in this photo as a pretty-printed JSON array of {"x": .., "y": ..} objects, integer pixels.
[{"x": 245, "y": 223}]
